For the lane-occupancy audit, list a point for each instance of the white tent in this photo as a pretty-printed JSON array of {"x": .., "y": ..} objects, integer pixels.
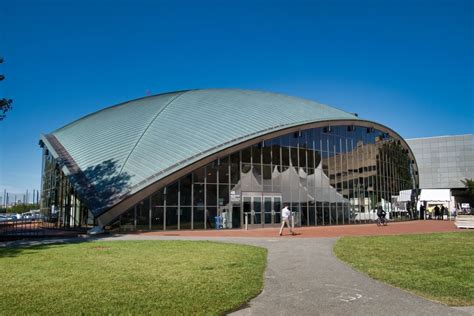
[
  {"x": 435, "y": 195},
  {"x": 404, "y": 196},
  {"x": 298, "y": 181}
]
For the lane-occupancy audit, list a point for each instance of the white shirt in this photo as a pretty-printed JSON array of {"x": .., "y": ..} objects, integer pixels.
[{"x": 285, "y": 213}]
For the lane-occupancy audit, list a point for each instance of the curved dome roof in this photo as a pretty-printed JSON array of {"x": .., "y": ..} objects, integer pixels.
[{"x": 141, "y": 141}]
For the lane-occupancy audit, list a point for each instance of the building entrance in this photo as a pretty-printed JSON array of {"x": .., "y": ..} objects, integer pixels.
[{"x": 262, "y": 209}]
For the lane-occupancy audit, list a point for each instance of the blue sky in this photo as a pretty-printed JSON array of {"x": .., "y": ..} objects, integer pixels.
[{"x": 406, "y": 64}]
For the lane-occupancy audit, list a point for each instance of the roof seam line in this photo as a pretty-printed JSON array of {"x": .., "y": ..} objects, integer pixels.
[
  {"x": 146, "y": 129},
  {"x": 258, "y": 133}
]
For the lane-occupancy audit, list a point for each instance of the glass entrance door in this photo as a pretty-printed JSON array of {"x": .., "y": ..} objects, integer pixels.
[
  {"x": 277, "y": 210},
  {"x": 261, "y": 209},
  {"x": 256, "y": 212},
  {"x": 252, "y": 208},
  {"x": 268, "y": 208}
]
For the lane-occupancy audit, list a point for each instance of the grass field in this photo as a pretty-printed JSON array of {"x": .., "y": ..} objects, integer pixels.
[
  {"x": 130, "y": 277},
  {"x": 436, "y": 266}
]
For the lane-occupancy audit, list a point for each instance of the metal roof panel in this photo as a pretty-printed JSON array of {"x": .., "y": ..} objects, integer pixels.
[{"x": 147, "y": 136}]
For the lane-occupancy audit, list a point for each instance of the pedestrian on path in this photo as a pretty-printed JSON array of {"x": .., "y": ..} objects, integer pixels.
[{"x": 285, "y": 218}]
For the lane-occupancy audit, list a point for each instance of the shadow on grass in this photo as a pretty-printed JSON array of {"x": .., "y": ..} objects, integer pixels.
[{"x": 24, "y": 247}]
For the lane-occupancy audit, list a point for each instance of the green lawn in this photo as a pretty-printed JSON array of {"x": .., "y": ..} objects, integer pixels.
[
  {"x": 130, "y": 277},
  {"x": 437, "y": 266}
]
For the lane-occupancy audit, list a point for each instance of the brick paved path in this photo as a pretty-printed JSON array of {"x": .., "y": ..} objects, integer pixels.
[{"x": 412, "y": 227}]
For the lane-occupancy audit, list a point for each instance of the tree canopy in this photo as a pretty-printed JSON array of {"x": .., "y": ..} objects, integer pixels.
[
  {"x": 469, "y": 184},
  {"x": 5, "y": 104}
]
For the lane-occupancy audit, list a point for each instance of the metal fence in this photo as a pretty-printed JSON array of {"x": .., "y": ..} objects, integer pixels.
[{"x": 34, "y": 228}]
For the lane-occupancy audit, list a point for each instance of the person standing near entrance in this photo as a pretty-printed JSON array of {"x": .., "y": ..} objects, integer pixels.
[
  {"x": 436, "y": 212},
  {"x": 285, "y": 218}
]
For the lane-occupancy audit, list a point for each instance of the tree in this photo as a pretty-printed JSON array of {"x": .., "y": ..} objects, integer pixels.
[
  {"x": 22, "y": 208},
  {"x": 5, "y": 104},
  {"x": 469, "y": 184}
]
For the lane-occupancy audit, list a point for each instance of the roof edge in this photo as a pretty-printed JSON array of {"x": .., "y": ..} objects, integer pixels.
[
  {"x": 154, "y": 180},
  {"x": 117, "y": 105}
]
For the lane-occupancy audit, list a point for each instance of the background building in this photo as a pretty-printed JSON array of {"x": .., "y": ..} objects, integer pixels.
[
  {"x": 178, "y": 160},
  {"x": 443, "y": 162}
]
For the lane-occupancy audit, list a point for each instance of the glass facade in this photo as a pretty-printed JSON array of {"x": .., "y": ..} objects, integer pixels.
[
  {"x": 328, "y": 176},
  {"x": 335, "y": 175},
  {"x": 60, "y": 205}
]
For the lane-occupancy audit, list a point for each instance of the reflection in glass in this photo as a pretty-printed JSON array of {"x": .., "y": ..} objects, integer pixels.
[
  {"x": 127, "y": 220},
  {"x": 211, "y": 172},
  {"x": 211, "y": 194},
  {"x": 257, "y": 153},
  {"x": 199, "y": 195},
  {"x": 276, "y": 152},
  {"x": 224, "y": 172},
  {"x": 335, "y": 176},
  {"x": 223, "y": 194},
  {"x": 211, "y": 213},
  {"x": 257, "y": 210},
  {"x": 185, "y": 190},
  {"x": 277, "y": 209},
  {"x": 157, "y": 218},
  {"x": 267, "y": 208},
  {"x": 171, "y": 218},
  {"x": 172, "y": 194},
  {"x": 267, "y": 154},
  {"x": 198, "y": 217},
  {"x": 143, "y": 215},
  {"x": 185, "y": 218}
]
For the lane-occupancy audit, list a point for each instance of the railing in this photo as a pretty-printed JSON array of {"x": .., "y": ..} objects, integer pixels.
[
  {"x": 32, "y": 228},
  {"x": 20, "y": 227}
]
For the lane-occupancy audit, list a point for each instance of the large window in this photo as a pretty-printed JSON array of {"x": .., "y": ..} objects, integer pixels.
[
  {"x": 335, "y": 175},
  {"x": 60, "y": 204},
  {"x": 329, "y": 176}
]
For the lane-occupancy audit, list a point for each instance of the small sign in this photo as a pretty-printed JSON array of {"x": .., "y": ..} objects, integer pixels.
[
  {"x": 465, "y": 205},
  {"x": 235, "y": 198}
]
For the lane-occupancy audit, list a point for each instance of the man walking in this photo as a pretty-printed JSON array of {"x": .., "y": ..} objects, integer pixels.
[{"x": 285, "y": 218}]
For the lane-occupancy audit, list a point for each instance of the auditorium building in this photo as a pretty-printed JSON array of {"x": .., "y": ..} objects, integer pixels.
[{"x": 177, "y": 160}]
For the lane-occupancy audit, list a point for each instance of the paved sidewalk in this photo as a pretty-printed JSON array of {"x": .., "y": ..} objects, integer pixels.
[
  {"x": 304, "y": 278},
  {"x": 396, "y": 228}
]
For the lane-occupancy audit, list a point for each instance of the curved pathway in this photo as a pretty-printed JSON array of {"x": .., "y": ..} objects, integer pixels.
[{"x": 303, "y": 277}]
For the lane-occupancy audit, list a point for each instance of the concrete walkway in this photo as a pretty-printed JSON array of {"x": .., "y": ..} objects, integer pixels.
[{"x": 304, "y": 278}]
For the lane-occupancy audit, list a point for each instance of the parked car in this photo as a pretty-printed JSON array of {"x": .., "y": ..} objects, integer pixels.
[
  {"x": 9, "y": 217},
  {"x": 27, "y": 215}
]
